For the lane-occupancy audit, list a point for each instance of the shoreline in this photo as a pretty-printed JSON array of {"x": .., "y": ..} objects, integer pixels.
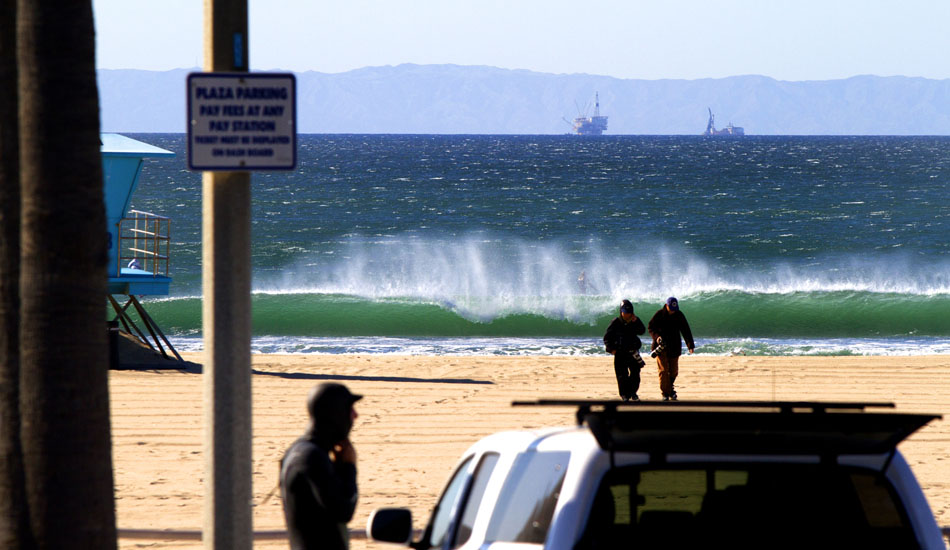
[
  {"x": 435, "y": 406},
  {"x": 580, "y": 347}
]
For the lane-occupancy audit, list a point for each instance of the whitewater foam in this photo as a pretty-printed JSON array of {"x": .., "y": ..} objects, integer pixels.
[
  {"x": 576, "y": 346},
  {"x": 484, "y": 266}
]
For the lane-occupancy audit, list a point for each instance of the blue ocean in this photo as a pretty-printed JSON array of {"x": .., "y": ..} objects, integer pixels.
[{"x": 525, "y": 245}]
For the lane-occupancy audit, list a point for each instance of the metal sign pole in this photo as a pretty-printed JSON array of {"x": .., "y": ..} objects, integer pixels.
[{"x": 226, "y": 325}]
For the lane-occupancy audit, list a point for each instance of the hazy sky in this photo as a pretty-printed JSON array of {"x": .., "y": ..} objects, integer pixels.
[{"x": 783, "y": 39}]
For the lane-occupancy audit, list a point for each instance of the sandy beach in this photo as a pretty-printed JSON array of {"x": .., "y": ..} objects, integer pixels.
[{"x": 421, "y": 412}]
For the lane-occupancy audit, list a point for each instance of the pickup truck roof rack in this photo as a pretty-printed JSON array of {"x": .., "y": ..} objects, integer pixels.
[{"x": 743, "y": 427}]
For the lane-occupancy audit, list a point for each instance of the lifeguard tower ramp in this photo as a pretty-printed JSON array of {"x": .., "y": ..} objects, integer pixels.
[{"x": 139, "y": 241}]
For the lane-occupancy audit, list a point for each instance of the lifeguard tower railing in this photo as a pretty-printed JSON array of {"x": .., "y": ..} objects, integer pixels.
[{"x": 144, "y": 238}]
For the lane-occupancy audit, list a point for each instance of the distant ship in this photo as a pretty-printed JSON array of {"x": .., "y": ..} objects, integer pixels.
[
  {"x": 591, "y": 125},
  {"x": 729, "y": 130}
]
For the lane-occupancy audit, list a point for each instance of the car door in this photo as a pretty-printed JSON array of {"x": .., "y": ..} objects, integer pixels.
[{"x": 454, "y": 515}]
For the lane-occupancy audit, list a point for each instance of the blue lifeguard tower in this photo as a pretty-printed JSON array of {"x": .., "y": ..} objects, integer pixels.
[{"x": 138, "y": 241}]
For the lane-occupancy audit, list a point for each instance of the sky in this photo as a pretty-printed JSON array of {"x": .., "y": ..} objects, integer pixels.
[{"x": 656, "y": 39}]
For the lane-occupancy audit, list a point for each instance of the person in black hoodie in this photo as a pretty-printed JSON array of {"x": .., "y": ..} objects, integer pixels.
[
  {"x": 318, "y": 473},
  {"x": 665, "y": 328},
  {"x": 623, "y": 342}
]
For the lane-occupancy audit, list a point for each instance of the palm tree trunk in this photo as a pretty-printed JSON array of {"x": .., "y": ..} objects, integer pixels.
[
  {"x": 64, "y": 397},
  {"x": 14, "y": 521}
]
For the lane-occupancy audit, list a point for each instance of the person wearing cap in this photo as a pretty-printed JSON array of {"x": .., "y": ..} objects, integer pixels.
[
  {"x": 622, "y": 340},
  {"x": 665, "y": 327},
  {"x": 318, "y": 473}
]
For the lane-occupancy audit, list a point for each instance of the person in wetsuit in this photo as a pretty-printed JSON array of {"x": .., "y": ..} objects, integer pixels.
[
  {"x": 622, "y": 340},
  {"x": 318, "y": 473}
]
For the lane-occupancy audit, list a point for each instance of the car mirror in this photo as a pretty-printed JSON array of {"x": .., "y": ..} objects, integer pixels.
[{"x": 390, "y": 525}]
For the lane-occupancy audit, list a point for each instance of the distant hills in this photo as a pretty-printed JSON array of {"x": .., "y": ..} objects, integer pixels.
[{"x": 453, "y": 99}]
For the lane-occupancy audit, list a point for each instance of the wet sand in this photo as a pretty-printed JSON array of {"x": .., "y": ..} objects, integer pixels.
[{"x": 421, "y": 412}]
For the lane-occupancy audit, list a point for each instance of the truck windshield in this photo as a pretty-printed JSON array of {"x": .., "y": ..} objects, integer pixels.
[
  {"x": 442, "y": 515},
  {"x": 743, "y": 506}
]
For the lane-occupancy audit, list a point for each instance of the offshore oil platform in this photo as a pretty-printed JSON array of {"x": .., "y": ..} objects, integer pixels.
[
  {"x": 729, "y": 130},
  {"x": 590, "y": 125}
]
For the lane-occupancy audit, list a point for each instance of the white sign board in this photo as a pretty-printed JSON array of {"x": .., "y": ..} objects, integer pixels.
[{"x": 242, "y": 121}]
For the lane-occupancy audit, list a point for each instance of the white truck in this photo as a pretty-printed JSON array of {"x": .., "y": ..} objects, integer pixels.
[{"x": 684, "y": 475}]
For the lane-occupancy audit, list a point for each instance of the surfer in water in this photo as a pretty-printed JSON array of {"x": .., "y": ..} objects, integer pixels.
[{"x": 582, "y": 284}]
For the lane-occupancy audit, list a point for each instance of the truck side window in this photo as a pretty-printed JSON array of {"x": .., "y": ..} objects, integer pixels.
[
  {"x": 528, "y": 498},
  {"x": 480, "y": 481}
]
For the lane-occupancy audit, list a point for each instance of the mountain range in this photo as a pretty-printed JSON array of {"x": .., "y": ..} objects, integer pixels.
[{"x": 454, "y": 99}]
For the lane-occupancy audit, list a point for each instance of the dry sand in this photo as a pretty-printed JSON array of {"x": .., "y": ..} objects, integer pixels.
[{"x": 421, "y": 413}]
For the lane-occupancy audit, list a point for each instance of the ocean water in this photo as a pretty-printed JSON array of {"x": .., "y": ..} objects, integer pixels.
[{"x": 474, "y": 244}]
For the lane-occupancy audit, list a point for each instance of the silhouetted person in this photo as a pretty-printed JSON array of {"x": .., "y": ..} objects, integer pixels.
[
  {"x": 318, "y": 473},
  {"x": 622, "y": 340}
]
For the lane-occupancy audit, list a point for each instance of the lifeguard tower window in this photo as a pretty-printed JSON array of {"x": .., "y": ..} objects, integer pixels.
[{"x": 774, "y": 505}]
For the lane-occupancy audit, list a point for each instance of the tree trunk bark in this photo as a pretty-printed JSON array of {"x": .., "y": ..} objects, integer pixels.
[
  {"x": 64, "y": 393},
  {"x": 14, "y": 520}
]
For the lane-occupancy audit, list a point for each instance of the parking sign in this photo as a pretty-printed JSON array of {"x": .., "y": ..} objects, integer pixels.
[{"x": 242, "y": 121}]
